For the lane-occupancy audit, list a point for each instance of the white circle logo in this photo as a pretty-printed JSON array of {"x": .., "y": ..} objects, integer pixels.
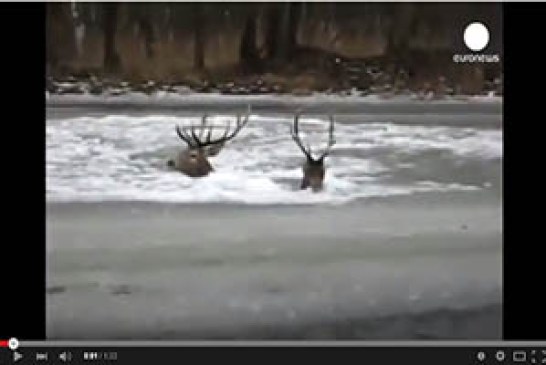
[{"x": 476, "y": 36}]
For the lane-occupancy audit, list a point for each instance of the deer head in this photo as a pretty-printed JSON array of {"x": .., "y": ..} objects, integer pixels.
[
  {"x": 193, "y": 161},
  {"x": 313, "y": 169}
]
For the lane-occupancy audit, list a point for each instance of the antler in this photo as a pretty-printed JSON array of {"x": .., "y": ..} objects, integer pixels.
[
  {"x": 294, "y": 131},
  {"x": 193, "y": 139},
  {"x": 240, "y": 124},
  {"x": 331, "y": 140},
  {"x": 185, "y": 137}
]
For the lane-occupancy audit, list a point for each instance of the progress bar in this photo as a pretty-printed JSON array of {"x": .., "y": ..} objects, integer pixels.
[{"x": 237, "y": 343}]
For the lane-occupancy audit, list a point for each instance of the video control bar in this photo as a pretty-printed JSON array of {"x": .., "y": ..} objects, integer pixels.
[{"x": 422, "y": 353}]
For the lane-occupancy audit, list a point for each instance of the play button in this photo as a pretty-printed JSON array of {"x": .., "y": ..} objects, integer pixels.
[{"x": 17, "y": 356}]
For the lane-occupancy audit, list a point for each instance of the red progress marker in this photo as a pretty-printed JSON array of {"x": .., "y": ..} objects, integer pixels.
[{"x": 4, "y": 343}]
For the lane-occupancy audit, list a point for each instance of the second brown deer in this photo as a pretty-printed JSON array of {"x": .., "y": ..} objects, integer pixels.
[{"x": 313, "y": 168}]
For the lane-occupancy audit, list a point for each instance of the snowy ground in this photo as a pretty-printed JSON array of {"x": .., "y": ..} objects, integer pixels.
[{"x": 407, "y": 231}]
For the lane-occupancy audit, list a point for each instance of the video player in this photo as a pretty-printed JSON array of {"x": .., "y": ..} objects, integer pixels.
[{"x": 268, "y": 178}]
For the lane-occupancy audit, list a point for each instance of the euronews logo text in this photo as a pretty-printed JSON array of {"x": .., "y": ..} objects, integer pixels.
[
  {"x": 476, "y": 38},
  {"x": 476, "y": 58}
]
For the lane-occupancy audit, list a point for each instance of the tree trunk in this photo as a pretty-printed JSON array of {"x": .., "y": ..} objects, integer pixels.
[
  {"x": 145, "y": 23},
  {"x": 287, "y": 32},
  {"x": 198, "y": 38},
  {"x": 401, "y": 30},
  {"x": 248, "y": 51},
  {"x": 60, "y": 35},
  {"x": 284, "y": 34},
  {"x": 111, "y": 58},
  {"x": 273, "y": 15},
  {"x": 147, "y": 32},
  {"x": 293, "y": 27}
]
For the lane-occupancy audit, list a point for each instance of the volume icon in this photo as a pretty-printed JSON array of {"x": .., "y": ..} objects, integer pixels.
[{"x": 65, "y": 356}]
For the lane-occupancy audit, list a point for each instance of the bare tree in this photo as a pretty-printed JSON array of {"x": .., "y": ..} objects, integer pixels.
[
  {"x": 248, "y": 51},
  {"x": 402, "y": 26},
  {"x": 281, "y": 30},
  {"x": 112, "y": 61},
  {"x": 198, "y": 37},
  {"x": 273, "y": 17},
  {"x": 60, "y": 35},
  {"x": 146, "y": 28}
]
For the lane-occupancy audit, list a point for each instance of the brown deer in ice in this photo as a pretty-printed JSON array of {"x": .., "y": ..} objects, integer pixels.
[
  {"x": 313, "y": 168},
  {"x": 193, "y": 161}
]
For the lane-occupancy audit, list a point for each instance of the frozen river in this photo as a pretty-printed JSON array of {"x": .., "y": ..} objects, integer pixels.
[{"x": 405, "y": 241}]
